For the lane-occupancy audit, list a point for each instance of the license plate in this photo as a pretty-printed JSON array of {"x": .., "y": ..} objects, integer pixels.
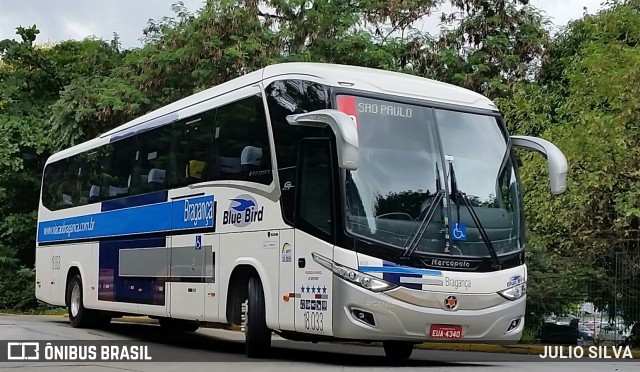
[{"x": 445, "y": 331}]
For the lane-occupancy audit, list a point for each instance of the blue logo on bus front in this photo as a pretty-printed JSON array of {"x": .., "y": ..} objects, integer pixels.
[
  {"x": 515, "y": 280},
  {"x": 243, "y": 210}
]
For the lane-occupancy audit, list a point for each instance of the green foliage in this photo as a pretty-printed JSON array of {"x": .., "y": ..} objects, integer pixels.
[
  {"x": 16, "y": 286},
  {"x": 586, "y": 101},
  {"x": 529, "y": 336}
]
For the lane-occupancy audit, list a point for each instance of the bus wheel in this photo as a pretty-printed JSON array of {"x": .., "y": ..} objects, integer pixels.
[
  {"x": 254, "y": 321},
  {"x": 78, "y": 315},
  {"x": 398, "y": 350}
]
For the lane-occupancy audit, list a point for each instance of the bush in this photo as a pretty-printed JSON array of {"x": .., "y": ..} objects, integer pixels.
[
  {"x": 17, "y": 287},
  {"x": 529, "y": 336}
]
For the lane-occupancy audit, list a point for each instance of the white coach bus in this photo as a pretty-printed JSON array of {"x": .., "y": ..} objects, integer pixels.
[{"x": 319, "y": 202}]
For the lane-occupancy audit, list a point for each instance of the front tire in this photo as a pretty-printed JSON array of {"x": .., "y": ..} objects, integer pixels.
[
  {"x": 398, "y": 351},
  {"x": 257, "y": 335}
]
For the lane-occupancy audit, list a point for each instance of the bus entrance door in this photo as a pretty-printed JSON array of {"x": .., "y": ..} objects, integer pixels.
[{"x": 314, "y": 226}]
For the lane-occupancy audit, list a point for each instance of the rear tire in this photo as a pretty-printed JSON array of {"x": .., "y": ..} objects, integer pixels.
[
  {"x": 79, "y": 316},
  {"x": 398, "y": 351},
  {"x": 257, "y": 335}
]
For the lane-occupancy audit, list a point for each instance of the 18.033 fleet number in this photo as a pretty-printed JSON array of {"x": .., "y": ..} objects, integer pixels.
[{"x": 314, "y": 320}]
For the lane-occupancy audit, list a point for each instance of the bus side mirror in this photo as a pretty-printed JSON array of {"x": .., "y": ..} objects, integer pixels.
[
  {"x": 555, "y": 159},
  {"x": 342, "y": 126}
]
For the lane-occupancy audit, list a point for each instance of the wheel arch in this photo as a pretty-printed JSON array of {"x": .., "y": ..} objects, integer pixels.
[
  {"x": 75, "y": 269},
  {"x": 237, "y": 289}
]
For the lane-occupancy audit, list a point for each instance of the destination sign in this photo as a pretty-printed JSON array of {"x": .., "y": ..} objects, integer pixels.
[{"x": 385, "y": 109}]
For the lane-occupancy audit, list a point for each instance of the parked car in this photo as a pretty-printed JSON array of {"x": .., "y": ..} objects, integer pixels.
[
  {"x": 612, "y": 333},
  {"x": 585, "y": 333}
]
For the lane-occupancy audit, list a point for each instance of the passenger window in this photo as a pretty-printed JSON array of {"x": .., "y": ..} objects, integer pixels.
[
  {"x": 288, "y": 97},
  {"x": 315, "y": 197},
  {"x": 152, "y": 157},
  {"x": 68, "y": 189},
  {"x": 53, "y": 185},
  {"x": 89, "y": 174},
  {"x": 193, "y": 140},
  {"x": 117, "y": 168},
  {"x": 241, "y": 142}
]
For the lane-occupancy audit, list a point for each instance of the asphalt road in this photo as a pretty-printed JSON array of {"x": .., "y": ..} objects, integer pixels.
[{"x": 218, "y": 350}]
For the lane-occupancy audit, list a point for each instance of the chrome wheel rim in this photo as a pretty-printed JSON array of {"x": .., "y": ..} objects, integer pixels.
[
  {"x": 75, "y": 300},
  {"x": 245, "y": 316}
]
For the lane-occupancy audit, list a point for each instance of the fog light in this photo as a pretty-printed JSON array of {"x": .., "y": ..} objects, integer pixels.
[
  {"x": 363, "y": 316},
  {"x": 514, "y": 324}
]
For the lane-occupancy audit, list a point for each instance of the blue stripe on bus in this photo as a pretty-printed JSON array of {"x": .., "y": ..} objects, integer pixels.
[
  {"x": 399, "y": 270},
  {"x": 393, "y": 273},
  {"x": 135, "y": 201},
  {"x": 185, "y": 214},
  {"x": 112, "y": 287}
]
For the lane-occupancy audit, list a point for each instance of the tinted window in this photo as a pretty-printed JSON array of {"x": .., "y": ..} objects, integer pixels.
[
  {"x": 193, "y": 141},
  {"x": 53, "y": 185},
  {"x": 72, "y": 182},
  {"x": 227, "y": 143},
  {"x": 284, "y": 98},
  {"x": 152, "y": 167},
  {"x": 241, "y": 142},
  {"x": 315, "y": 196},
  {"x": 118, "y": 167},
  {"x": 89, "y": 177}
]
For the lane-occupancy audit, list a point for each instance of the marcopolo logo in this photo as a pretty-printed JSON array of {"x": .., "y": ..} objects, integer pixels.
[
  {"x": 450, "y": 263},
  {"x": 243, "y": 210}
]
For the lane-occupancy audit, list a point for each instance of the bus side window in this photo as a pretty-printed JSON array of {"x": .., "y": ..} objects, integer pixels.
[
  {"x": 118, "y": 167},
  {"x": 51, "y": 184},
  {"x": 152, "y": 156},
  {"x": 314, "y": 194},
  {"x": 89, "y": 169},
  {"x": 192, "y": 144},
  {"x": 241, "y": 142},
  {"x": 287, "y": 97}
]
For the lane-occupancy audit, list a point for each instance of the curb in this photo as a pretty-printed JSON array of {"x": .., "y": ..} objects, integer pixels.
[{"x": 486, "y": 348}]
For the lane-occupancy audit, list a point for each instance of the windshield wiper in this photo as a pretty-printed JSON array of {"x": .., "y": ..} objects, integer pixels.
[
  {"x": 457, "y": 194},
  {"x": 411, "y": 244}
]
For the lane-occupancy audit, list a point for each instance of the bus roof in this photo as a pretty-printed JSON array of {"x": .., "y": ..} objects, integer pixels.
[{"x": 357, "y": 78}]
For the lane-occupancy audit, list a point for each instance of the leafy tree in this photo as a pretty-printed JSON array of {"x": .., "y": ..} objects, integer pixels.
[
  {"x": 492, "y": 44},
  {"x": 31, "y": 79},
  {"x": 588, "y": 96}
]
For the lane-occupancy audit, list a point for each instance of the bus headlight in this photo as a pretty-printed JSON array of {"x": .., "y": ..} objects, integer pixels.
[
  {"x": 354, "y": 276},
  {"x": 514, "y": 292}
]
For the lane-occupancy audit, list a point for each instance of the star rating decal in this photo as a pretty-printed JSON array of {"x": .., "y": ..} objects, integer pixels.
[{"x": 313, "y": 289}]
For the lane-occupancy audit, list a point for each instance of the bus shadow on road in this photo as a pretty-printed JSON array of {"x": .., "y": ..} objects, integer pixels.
[{"x": 203, "y": 347}]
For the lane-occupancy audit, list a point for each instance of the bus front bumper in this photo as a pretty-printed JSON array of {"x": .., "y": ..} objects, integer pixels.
[{"x": 355, "y": 308}]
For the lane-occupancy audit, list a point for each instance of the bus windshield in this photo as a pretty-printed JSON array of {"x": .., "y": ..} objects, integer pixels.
[{"x": 407, "y": 156}]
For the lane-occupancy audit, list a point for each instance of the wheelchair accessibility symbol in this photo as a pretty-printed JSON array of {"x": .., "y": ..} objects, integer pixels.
[
  {"x": 198, "y": 242},
  {"x": 459, "y": 231}
]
